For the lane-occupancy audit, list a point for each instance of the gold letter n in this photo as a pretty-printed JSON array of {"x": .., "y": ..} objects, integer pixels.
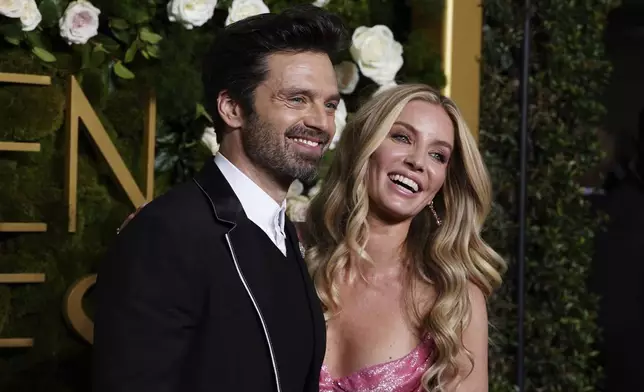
[{"x": 79, "y": 108}]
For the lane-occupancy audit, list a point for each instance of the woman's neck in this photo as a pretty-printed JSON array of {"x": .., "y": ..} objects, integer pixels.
[{"x": 386, "y": 244}]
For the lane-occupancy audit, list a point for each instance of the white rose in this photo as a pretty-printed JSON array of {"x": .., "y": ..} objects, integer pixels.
[
  {"x": 347, "y": 76},
  {"x": 209, "y": 138},
  {"x": 377, "y": 53},
  {"x": 31, "y": 17},
  {"x": 79, "y": 23},
  {"x": 320, "y": 3},
  {"x": 315, "y": 189},
  {"x": 296, "y": 208},
  {"x": 191, "y": 13},
  {"x": 242, "y": 9},
  {"x": 12, "y": 8},
  {"x": 340, "y": 123},
  {"x": 295, "y": 189},
  {"x": 385, "y": 86}
]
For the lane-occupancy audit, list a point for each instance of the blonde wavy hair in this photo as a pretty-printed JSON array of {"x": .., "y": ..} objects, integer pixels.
[{"x": 447, "y": 257}]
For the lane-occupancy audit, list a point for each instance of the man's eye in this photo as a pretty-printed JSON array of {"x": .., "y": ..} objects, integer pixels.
[
  {"x": 332, "y": 105},
  {"x": 297, "y": 99}
]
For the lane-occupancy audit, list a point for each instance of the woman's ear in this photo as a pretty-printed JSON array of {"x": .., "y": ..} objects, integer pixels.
[{"x": 229, "y": 110}]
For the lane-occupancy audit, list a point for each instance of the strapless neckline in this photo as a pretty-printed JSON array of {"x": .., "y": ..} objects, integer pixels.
[{"x": 398, "y": 375}]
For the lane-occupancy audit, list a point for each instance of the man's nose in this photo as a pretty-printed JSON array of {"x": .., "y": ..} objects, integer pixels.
[{"x": 320, "y": 118}]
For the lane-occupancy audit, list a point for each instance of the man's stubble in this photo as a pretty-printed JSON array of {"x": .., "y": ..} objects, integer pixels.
[{"x": 268, "y": 149}]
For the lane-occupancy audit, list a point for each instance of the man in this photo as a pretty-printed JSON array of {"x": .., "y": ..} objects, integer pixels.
[{"x": 205, "y": 289}]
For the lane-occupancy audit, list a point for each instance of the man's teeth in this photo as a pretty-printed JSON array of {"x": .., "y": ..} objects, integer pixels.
[
  {"x": 404, "y": 180},
  {"x": 307, "y": 142}
]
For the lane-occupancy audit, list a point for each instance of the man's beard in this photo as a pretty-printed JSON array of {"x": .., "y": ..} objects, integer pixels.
[{"x": 267, "y": 149}]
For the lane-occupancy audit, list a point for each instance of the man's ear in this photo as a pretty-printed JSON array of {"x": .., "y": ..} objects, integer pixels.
[{"x": 229, "y": 110}]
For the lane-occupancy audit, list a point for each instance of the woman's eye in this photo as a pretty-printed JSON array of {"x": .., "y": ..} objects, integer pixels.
[
  {"x": 438, "y": 156},
  {"x": 401, "y": 138}
]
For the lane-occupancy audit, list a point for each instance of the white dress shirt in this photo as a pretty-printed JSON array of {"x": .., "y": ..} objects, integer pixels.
[{"x": 259, "y": 207}]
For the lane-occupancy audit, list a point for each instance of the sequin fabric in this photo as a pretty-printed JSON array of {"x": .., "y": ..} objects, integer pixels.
[{"x": 400, "y": 375}]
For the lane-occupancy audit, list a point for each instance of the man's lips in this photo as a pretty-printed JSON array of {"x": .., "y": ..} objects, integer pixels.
[{"x": 309, "y": 141}]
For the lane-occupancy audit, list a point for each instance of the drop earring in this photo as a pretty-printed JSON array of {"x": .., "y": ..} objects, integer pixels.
[{"x": 431, "y": 207}]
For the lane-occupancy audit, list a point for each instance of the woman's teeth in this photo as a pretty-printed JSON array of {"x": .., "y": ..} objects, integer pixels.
[{"x": 405, "y": 181}]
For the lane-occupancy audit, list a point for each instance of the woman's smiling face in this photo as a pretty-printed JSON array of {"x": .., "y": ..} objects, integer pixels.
[{"x": 409, "y": 167}]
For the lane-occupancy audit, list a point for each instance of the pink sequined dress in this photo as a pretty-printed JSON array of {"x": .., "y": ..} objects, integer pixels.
[{"x": 400, "y": 375}]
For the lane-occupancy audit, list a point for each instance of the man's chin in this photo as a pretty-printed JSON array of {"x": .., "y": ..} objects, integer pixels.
[
  {"x": 303, "y": 167},
  {"x": 306, "y": 173},
  {"x": 308, "y": 176}
]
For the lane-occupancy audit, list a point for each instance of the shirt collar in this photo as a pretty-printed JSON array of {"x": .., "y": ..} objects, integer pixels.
[{"x": 258, "y": 205}]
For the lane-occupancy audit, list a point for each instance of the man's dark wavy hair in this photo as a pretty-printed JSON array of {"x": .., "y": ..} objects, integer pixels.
[{"x": 237, "y": 59}]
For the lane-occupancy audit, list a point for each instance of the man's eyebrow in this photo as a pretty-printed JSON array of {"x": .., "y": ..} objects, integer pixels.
[
  {"x": 307, "y": 92},
  {"x": 335, "y": 97}
]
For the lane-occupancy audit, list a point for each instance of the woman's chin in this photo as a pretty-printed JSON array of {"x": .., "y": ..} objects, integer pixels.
[{"x": 394, "y": 214}]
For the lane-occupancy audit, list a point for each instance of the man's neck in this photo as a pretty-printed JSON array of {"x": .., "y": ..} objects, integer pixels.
[{"x": 276, "y": 190}]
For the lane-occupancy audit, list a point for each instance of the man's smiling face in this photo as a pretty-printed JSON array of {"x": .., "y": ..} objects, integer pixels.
[{"x": 294, "y": 115}]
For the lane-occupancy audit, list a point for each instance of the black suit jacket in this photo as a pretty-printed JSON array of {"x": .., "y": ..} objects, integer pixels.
[{"x": 174, "y": 312}]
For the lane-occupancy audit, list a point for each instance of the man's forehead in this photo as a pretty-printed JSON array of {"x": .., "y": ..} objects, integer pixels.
[{"x": 307, "y": 71}]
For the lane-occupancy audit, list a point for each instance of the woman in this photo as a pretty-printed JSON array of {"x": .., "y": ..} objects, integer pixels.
[{"x": 395, "y": 250}]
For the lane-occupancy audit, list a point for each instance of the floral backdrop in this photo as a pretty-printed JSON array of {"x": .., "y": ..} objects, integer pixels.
[
  {"x": 120, "y": 51},
  {"x": 112, "y": 39}
]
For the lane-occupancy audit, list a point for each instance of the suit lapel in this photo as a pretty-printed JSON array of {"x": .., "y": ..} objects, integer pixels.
[
  {"x": 319, "y": 325},
  {"x": 228, "y": 211},
  {"x": 227, "y": 207}
]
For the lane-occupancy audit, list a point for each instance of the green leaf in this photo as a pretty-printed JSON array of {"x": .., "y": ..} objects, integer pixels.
[
  {"x": 140, "y": 16},
  {"x": 153, "y": 51},
  {"x": 35, "y": 39},
  {"x": 44, "y": 55},
  {"x": 145, "y": 54},
  {"x": 108, "y": 43},
  {"x": 12, "y": 40},
  {"x": 99, "y": 48},
  {"x": 164, "y": 161},
  {"x": 119, "y": 24},
  {"x": 122, "y": 72},
  {"x": 51, "y": 11},
  {"x": 201, "y": 112},
  {"x": 12, "y": 33},
  {"x": 97, "y": 58},
  {"x": 131, "y": 52},
  {"x": 86, "y": 56},
  {"x": 149, "y": 37},
  {"x": 123, "y": 36}
]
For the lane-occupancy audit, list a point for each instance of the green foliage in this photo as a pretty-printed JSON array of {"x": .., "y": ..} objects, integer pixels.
[
  {"x": 137, "y": 51},
  {"x": 46, "y": 101},
  {"x": 422, "y": 61},
  {"x": 24, "y": 126},
  {"x": 568, "y": 74},
  {"x": 32, "y": 190}
]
